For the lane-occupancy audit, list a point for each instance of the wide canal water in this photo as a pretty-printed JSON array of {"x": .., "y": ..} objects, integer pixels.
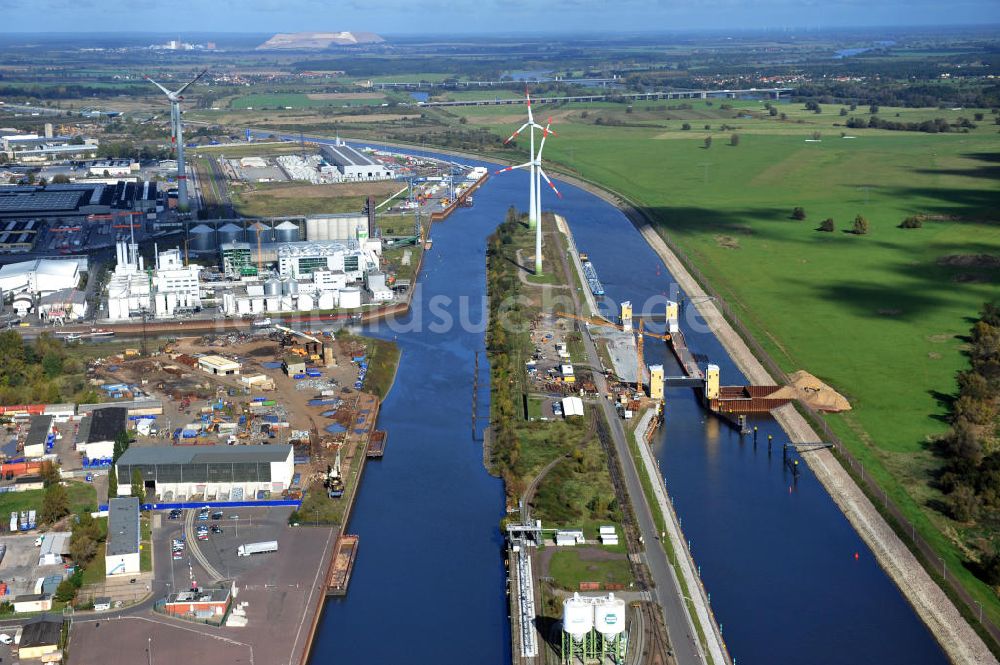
[{"x": 776, "y": 555}]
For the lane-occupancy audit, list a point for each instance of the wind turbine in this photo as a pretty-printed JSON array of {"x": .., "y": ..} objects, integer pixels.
[
  {"x": 177, "y": 134},
  {"x": 537, "y": 173},
  {"x": 532, "y": 125}
]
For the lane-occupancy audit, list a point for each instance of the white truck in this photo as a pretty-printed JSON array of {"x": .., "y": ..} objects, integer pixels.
[{"x": 257, "y": 548}]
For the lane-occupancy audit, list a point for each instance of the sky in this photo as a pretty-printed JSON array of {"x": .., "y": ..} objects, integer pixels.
[{"x": 481, "y": 16}]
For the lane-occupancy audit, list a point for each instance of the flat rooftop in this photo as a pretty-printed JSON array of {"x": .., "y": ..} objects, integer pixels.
[
  {"x": 149, "y": 455},
  {"x": 345, "y": 155},
  {"x": 123, "y": 526}
]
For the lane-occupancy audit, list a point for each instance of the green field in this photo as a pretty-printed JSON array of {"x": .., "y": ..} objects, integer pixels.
[
  {"x": 881, "y": 316},
  {"x": 82, "y": 497},
  {"x": 570, "y": 567},
  {"x": 298, "y": 101}
]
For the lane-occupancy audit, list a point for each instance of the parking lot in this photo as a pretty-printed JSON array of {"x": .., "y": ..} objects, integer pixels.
[{"x": 20, "y": 569}]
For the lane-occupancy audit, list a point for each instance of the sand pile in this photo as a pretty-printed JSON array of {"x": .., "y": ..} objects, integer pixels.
[{"x": 808, "y": 389}]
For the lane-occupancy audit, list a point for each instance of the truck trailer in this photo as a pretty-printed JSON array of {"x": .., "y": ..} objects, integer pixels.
[{"x": 257, "y": 548}]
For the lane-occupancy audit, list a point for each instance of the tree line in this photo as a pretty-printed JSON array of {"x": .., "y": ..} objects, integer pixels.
[
  {"x": 33, "y": 372},
  {"x": 971, "y": 448}
]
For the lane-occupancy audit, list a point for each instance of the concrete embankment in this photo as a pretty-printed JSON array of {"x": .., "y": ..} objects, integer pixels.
[
  {"x": 956, "y": 637},
  {"x": 683, "y": 563}
]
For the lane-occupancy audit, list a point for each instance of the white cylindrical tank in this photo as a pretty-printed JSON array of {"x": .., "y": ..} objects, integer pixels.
[
  {"x": 306, "y": 302},
  {"x": 609, "y": 616},
  {"x": 326, "y": 300},
  {"x": 350, "y": 298},
  {"x": 286, "y": 232},
  {"x": 578, "y": 617},
  {"x": 272, "y": 304}
]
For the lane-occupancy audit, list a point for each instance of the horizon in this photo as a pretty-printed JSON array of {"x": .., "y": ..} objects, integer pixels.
[{"x": 407, "y": 19}]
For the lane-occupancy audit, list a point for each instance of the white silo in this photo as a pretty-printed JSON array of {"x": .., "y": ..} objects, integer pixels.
[
  {"x": 290, "y": 287},
  {"x": 286, "y": 232},
  {"x": 272, "y": 287},
  {"x": 306, "y": 302},
  {"x": 609, "y": 616},
  {"x": 350, "y": 298},
  {"x": 578, "y": 617}
]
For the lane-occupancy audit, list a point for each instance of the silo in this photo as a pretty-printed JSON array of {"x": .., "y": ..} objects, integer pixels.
[
  {"x": 578, "y": 617},
  {"x": 286, "y": 232},
  {"x": 272, "y": 287},
  {"x": 350, "y": 298},
  {"x": 609, "y": 617},
  {"x": 290, "y": 287},
  {"x": 266, "y": 234},
  {"x": 306, "y": 302},
  {"x": 230, "y": 233},
  {"x": 201, "y": 238}
]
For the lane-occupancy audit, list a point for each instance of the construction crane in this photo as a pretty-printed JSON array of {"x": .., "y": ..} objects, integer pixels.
[
  {"x": 260, "y": 255},
  {"x": 639, "y": 333}
]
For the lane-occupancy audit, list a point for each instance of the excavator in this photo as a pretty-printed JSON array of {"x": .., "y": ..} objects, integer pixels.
[{"x": 312, "y": 350}]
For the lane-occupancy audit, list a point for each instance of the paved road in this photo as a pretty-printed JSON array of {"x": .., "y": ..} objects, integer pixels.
[{"x": 667, "y": 592}]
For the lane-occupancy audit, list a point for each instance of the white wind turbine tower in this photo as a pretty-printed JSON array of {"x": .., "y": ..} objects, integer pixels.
[
  {"x": 177, "y": 135},
  {"x": 532, "y": 125},
  {"x": 537, "y": 173}
]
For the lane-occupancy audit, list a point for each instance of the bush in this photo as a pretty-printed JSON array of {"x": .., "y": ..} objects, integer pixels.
[
  {"x": 826, "y": 225},
  {"x": 65, "y": 591},
  {"x": 734, "y": 140},
  {"x": 686, "y": 126},
  {"x": 860, "y": 226},
  {"x": 799, "y": 213},
  {"x": 911, "y": 223},
  {"x": 294, "y": 518}
]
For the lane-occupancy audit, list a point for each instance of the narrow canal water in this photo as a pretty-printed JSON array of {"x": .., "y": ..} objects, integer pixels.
[{"x": 776, "y": 555}]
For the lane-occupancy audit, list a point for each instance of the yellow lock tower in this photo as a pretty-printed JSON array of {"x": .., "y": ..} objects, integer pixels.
[
  {"x": 712, "y": 382},
  {"x": 627, "y": 315},
  {"x": 656, "y": 381},
  {"x": 671, "y": 313}
]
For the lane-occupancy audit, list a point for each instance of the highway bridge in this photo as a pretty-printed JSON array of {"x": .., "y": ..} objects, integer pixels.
[{"x": 771, "y": 93}]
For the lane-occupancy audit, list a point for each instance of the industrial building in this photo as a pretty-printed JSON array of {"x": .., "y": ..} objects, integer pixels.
[
  {"x": 342, "y": 227},
  {"x": 122, "y": 554},
  {"x": 212, "y": 472},
  {"x": 40, "y": 637},
  {"x": 211, "y": 604},
  {"x": 63, "y": 306},
  {"x": 354, "y": 165},
  {"x": 78, "y": 199},
  {"x": 176, "y": 285},
  {"x": 32, "y": 148},
  {"x": 40, "y": 277},
  {"x": 39, "y": 432},
  {"x": 129, "y": 289},
  {"x": 218, "y": 366},
  {"x": 97, "y": 433},
  {"x": 32, "y": 602}
]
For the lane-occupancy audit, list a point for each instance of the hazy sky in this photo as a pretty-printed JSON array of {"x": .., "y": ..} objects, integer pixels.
[{"x": 464, "y": 16}]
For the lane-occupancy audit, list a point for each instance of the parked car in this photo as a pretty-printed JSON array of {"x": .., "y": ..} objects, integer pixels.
[
  {"x": 216, "y": 529},
  {"x": 217, "y": 516}
]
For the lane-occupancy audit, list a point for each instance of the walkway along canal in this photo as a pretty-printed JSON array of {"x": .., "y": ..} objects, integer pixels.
[{"x": 776, "y": 554}]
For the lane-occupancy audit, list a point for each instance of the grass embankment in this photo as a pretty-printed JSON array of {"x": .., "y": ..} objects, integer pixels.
[
  {"x": 576, "y": 492},
  {"x": 881, "y": 316}
]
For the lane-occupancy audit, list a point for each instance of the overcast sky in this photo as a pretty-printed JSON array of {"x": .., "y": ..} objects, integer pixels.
[{"x": 465, "y": 16}]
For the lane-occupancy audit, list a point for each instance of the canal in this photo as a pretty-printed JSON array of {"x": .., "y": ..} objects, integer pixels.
[{"x": 776, "y": 555}]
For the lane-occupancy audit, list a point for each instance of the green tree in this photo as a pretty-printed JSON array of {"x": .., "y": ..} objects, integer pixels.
[
  {"x": 860, "y": 227},
  {"x": 708, "y": 142},
  {"x": 911, "y": 223},
  {"x": 826, "y": 225},
  {"x": 686, "y": 126},
  {"x": 60, "y": 179},
  {"x": 112, "y": 482},
  {"x": 49, "y": 473},
  {"x": 772, "y": 111},
  {"x": 734, "y": 140},
  {"x": 66, "y": 591},
  {"x": 55, "y": 504},
  {"x": 82, "y": 548},
  {"x": 138, "y": 488},
  {"x": 799, "y": 213}
]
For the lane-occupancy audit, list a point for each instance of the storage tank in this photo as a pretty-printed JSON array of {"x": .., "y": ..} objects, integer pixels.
[
  {"x": 230, "y": 233},
  {"x": 266, "y": 234},
  {"x": 286, "y": 232},
  {"x": 306, "y": 302},
  {"x": 290, "y": 287},
  {"x": 201, "y": 238},
  {"x": 350, "y": 298},
  {"x": 272, "y": 287},
  {"x": 578, "y": 617},
  {"x": 609, "y": 616}
]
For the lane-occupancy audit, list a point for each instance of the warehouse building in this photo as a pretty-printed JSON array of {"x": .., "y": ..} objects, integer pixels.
[
  {"x": 63, "y": 305},
  {"x": 79, "y": 199},
  {"x": 235, "y": 473},
  {"x": 40, "y": 637},
  {"x": 35, "y": 443},
  {"x": 122, "y": 554},
  {"x": 354, "y": 165},
  {"x": 218, "y": 366},
  {"x": 98, "y": 431},
  {"x": 210, "y": 604},
  {"x": 39, "y": 277}
]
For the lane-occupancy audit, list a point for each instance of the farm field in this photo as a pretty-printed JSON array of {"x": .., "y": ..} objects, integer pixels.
[
  {"x": 294, "y": 199},
  {"x": 301, "y": 100},
  {"x": 882, "y": 316}
]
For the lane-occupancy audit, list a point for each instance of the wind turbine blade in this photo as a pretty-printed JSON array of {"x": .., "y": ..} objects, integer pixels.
[
  {"x": 511, "y": 168},
  {"x": 190, "y": 83},
  {"x": 165, "y": 91},
  {"x": 514, "y": 135},
  {"x": 544, "y": 175},
  {"x": 527, "y": 96}
]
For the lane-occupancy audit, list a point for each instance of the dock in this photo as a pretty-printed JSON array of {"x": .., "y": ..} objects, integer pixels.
[
  {"x": 376, "y": 444},
  {"x": 460, "y": 201},
  {"x": 684, "y": 356},
  {"x": 344, "y": 554}
]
